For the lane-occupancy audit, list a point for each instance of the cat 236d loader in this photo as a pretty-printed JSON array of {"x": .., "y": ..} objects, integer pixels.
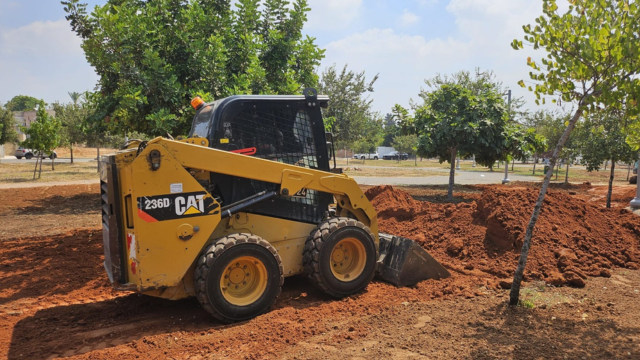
[{"x": 248, "y": 199}]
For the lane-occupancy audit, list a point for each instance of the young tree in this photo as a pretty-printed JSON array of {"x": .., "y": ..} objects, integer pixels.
[
  {"x": 520, "y": 143},
  {"x": 349, "y": 104},
  {"x": 407, "y": 144},
  {"x": 72, "y": 116},
  {"x": 603, "y": 137},
  {"x": 43, "y": 136},
  {"x": 456, "y": 121},
  {"x": 152, "y": 57},
  {"x": 8, "y": 132},
  {"x": 593, "y": 57},
  {"x": 371, "y": 137},
  {"x": 549, "y": 124}
]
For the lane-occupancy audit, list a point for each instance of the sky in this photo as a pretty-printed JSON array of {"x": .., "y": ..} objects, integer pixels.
[{"x": 403, "y": 41}]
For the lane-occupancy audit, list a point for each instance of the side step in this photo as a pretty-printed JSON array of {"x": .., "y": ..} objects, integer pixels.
[{"x": 402, "y": 262}]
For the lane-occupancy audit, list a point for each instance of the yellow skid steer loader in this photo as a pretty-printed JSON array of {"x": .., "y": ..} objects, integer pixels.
[{"x": 248, "y": 199}]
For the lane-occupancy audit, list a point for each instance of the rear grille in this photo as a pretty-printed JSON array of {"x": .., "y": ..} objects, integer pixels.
[
  {"x": 112, "y": 235},
  {"x": 105, "y": 204}
]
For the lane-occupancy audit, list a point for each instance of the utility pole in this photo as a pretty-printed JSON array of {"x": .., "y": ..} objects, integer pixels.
[{"x": 506, "y": 162}]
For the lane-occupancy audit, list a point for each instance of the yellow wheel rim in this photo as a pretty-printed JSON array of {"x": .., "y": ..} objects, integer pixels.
[
  {"x": 348, "y": 259},
  {"x": 243, "y": 281}
]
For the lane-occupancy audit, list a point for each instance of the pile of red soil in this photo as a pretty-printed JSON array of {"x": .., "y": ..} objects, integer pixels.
[{"x": 482, "y": 237}]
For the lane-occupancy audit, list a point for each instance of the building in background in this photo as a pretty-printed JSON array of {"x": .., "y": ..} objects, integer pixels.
[{"x": 23, "y": 118}]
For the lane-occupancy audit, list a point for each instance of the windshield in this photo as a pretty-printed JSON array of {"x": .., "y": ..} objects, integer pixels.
[{"x": 202, "y": 122}]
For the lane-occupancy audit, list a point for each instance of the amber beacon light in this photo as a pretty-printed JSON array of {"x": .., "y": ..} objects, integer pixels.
[{"x": 197, "y": 102}]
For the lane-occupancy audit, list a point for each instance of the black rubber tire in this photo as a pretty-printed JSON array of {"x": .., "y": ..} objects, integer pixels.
[
  {"x": 361, "y": 157},
  {"x": 18, "y": 157},
  {"x": 318, "y": 248},
  {"x": 211, "y": 266},
  {"x": 28, "y": 156},
  {"x": 375, "y": 158},
  {"x": 633, "y": 179}
]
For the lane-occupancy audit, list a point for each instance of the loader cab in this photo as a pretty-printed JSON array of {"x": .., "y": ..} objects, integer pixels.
[{"x": 281, "y": 128}]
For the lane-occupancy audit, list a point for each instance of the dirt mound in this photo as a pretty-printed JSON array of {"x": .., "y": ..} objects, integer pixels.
[
  {"x": 573, "y": 238},
  {"x": 394, "y": 203}
]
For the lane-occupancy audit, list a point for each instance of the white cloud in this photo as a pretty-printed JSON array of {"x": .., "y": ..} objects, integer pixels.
[
  {"x": 40, "y": 39},
  {"x": 44, "y": 60},
  {"x": 482, "y": 37},
  {"x": 332, "y": 14},
  {"x": 408, "y": 18}
]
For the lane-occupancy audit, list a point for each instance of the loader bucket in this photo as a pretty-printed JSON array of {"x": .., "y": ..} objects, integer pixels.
[{"x": 402, "y": 262}]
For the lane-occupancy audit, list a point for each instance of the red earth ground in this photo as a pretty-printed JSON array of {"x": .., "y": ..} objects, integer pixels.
[{"x": 55, "y": 299}]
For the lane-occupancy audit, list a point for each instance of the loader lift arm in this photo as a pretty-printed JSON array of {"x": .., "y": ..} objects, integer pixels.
[{"x": 291, "y": 178}]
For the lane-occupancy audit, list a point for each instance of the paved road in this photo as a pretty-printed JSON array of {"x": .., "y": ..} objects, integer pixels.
[
  {"x": 13, "y": 160},
  {"x": 462, "y": 177}
]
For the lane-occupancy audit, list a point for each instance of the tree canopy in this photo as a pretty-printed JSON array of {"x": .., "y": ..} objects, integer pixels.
[
  {"x": 22, "y": 103},
  {"x": 72, "y": 117},
  {"x": 456, "y": 120},
  {"x": 43, "y": 135},
  {"x": 152, "y": 57},
  {"x": 8, "y": 132},
  {"x": 593, "y": 58},
  {"x": 349, "y": 105}
]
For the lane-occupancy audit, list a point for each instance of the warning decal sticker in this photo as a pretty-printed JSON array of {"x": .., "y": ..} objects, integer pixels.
[{"x": 175, "y": 206}]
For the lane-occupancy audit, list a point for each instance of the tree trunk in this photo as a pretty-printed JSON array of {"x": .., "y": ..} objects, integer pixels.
[
  {"x": 628, "y": 171},
  {"x": 416, "y": 161},
  {"x": 99, "y": 159},
  {"x": 566, "y": 174},
  {"x": 613, "y": 167},
  {"x": 53, "y": 159},
  {"x": 514, "y": 296},
  {"x": 40, "y": 172},
  {"x": 71, "y": 149},
  {"x": 35, "y": 169},
  {"x": 535, "y": 160},
  {"x": 452, "y": 172},
  {"x": 605, "y": 164}
]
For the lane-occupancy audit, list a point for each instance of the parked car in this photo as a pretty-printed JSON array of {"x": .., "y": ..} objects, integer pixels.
[
  {"x": 373, "y": 156},
  {"x": 52, "y": 155},
  {"x": 395, "y": 155},
  {"x": 28, "y": 154},
  {"x": 23, "y": 153}
]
